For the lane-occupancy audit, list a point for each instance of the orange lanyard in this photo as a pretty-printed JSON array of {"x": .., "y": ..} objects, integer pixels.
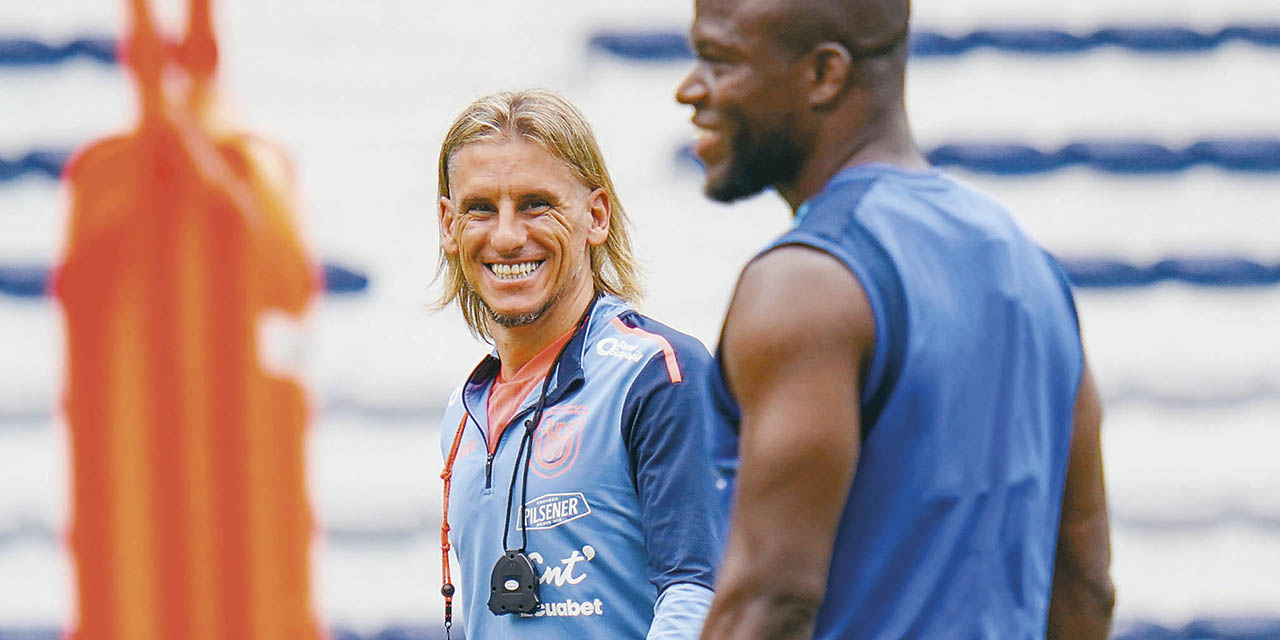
[{"x": 446, "y": 588}]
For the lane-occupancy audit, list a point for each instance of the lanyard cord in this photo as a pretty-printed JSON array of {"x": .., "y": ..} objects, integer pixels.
[
  {"x": 446, "y": 588},
  {"x": 526, "y": 441},
  {"x": 525, "y": 450}
]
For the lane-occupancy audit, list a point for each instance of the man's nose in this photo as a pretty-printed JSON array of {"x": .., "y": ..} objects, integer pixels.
[
  {"x": 510, "y": 234},
  {"x": 692, "y": 90}
]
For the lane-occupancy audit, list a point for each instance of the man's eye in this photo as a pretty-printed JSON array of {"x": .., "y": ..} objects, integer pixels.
[
  {"x": 717, "y": 66},
  {"x": 480, "y": 209},
  {"x": 709, "y": 56},
  {"x": 537, "y": 206}
]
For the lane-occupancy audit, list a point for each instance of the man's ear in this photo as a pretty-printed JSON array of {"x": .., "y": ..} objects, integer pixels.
[
  {"x": 601, "y": 209},
  {"x": 830, "y": 67},
  {"x": 448, "y": 215}
]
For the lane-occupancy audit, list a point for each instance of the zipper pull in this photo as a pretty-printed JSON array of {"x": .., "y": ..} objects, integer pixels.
[{"x": 488, "y": 471}]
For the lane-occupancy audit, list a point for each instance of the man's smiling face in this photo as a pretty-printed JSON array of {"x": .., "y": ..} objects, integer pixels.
[
  {"x": 522, "y": 225},
  {"x": 745, "y": 95}
]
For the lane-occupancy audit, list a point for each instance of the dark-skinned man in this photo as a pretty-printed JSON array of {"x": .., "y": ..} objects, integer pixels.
[{"x": 906, "y": 409}]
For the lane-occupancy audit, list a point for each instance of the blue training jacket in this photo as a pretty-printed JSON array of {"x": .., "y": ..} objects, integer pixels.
[
  {"x": 951, "y": 524},
  {"x": 621, "y": 502}
]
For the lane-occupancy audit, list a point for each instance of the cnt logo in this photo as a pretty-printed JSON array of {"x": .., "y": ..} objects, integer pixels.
[
  {"x": 562, "y": 575},
  {"x": 568, "y": 572}
]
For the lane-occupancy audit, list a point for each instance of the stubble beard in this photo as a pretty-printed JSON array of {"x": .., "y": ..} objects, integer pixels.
[
  {"x": 754, "y": 166},
  {"x": 515, "y": 320}
]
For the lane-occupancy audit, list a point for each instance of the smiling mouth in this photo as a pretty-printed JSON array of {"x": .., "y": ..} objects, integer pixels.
[
  {"x": 704, "y": 139},
  {"x": 514, "y": 271}
]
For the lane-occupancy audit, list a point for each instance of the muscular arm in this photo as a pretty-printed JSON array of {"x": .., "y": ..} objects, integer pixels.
[
  {"x": 797, "y": 334},
  {"x": 1083, "y": 596}
]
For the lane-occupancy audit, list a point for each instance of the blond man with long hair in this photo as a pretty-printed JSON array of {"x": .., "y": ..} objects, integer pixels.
[{"x": 579, "y": 499}]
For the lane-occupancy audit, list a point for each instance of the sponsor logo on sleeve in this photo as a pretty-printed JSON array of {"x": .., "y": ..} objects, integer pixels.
[
  {"x": 555, "y": 509},
  {"x": 619, "y": 348}
]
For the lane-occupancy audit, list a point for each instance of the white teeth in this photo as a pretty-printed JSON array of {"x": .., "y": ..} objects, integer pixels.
[{"x": 513, "y": 271}]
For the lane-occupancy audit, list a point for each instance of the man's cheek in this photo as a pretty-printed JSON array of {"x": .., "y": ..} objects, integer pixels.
[{"x": 555, "y": 222}]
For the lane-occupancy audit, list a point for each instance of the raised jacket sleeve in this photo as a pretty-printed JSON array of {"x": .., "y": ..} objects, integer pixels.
[{"x": 666, "y": 427}]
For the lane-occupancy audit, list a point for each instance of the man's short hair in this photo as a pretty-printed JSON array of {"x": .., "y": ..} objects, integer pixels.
[{"x": 551, "y": 121}]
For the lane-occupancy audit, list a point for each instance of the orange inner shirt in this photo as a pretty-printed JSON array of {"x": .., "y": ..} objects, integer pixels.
[{"x": 506, "y": 396}]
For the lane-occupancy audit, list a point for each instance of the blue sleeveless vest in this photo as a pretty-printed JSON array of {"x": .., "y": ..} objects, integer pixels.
[{"x": 951, "y": 525}]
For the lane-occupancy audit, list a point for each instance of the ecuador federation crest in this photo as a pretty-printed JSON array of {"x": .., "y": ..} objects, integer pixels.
[{"x": 558, "y": 439}]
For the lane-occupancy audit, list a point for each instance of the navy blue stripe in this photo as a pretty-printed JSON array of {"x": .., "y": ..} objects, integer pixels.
[
  {"x": 892, "y": 294},
  {"x": 32, "y": 281},
  {"x": 1064, "y": 282},
  {"x": 1243, "y": 155},
  {"x": 1202, "y": 629},
  {"x": 846, "y": 239},
  {"x": 375, "y": 534},
  {"x": 1238, "y": 628},
  {"x": 661, "y": 45},
  {"x": 410, "y": 416},
  {"x": 29, "y": 52},
  {"x": 41, "y": 163},
  {"x": 1222, "y": 272},
  {"x": 865, "y": 251},
  {"x": 1124, "y": 157},
  {"x": 674, "y": 45}
]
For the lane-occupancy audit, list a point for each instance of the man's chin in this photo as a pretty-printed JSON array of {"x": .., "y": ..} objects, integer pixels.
[
  {"x": 730, "y": 188},
  {"x": 516, "y": 319}
]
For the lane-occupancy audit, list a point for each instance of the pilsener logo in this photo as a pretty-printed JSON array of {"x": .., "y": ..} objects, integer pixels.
[
  {"x": 555, "y": 509},
  {"x": 615, "y": 348}
]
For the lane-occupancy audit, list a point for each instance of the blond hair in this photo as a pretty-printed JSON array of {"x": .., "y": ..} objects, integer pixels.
[{"x": 551, "y": 121}]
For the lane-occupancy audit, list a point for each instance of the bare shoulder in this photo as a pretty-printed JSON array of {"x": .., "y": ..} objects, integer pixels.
[{"x": 796, "y": 295}]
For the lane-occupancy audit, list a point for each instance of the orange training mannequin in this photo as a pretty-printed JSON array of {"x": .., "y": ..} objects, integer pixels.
[{"x": 190, "y": 513}]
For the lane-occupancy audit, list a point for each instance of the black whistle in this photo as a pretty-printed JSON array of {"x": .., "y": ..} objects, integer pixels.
[{"x": 513, "y": 586}]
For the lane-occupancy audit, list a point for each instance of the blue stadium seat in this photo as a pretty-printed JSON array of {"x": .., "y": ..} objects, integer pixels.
[
  {"x": 30, "y": 634},
  {"x": 340, "y": 633},
  {"x": 435, "y": 632},
  {"x": 339, "y": 279},
  {"x": 32, "y": 281},
  {"x": 1138, "y": 630},
  {"x": 24, "y": 281},
  {"x": 1233, "y": 629}
]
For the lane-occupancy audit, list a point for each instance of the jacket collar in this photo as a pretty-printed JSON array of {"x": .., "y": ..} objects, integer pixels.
[{"x": 567, "y": 372}]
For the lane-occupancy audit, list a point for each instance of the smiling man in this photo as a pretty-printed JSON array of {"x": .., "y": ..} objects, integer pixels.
[
  {"x": 901, "y": 374},
  {"x": 576, "y": 452}
]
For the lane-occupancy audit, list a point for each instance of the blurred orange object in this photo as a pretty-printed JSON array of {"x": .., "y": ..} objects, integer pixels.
[{"x": 191, "y": 519}]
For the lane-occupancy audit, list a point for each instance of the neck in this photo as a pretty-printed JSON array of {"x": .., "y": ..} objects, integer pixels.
[
  {"x": 883, "y": 137},
  {"x": 518, "y": 345}
]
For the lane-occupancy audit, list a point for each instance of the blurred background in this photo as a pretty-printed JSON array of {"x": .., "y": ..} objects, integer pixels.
[{"x": 1138, "y": 141}]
